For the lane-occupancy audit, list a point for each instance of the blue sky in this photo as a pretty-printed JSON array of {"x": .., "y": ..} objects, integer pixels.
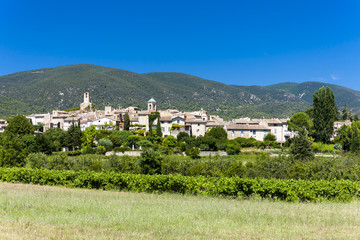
[{"x": 235, "y": 42}]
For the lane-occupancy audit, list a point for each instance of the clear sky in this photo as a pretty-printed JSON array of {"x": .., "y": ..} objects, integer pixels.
[{"x": 235, "y": 42}]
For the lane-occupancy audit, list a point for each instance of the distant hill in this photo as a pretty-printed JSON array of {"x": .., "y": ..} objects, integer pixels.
[{"x": 62, "y": 87}]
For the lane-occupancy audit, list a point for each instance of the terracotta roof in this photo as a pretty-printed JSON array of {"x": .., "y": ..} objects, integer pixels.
[
  {"x": 195, "y": 121},
  {"x": 273, "y": 121},
  {"x": 246, "y": 127},
  {"x": 72, "y": 118},
  {"x": 215, "y": 124},
  {"x": 166, "y": 118},
  {"x": 144, "y": 113}
]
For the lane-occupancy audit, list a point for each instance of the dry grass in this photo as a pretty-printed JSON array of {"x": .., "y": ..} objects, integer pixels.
[{"x": 39, "y": 212}]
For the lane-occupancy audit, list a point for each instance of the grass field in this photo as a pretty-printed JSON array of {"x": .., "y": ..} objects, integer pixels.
[{"x": 41, "y": 212}]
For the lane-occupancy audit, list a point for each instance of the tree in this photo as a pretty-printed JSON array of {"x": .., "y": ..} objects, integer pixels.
[
  {"x": 182, "y": 136},
  {"x": 169, "y": 141},
  {"x": 158, "y": 128},
  {"x": 119, "y": 138},
  {"x": 126, "y": 122},
  {"x": 301, "y": 147},
  {"x": 19, "y": 125},
  {"x": 150, "y": 162},
  {"x": 152, "y": 117},
  {"x": 12, "y": 151},
  {"x": 74, "y": 135},
  {"x": 299, "y": 121},
  {"x": 345, "y": 113},
  {"x": 218, "y": 133},
  {"x": 325, "y": 113},
  {"x": 270, "y": 138},
  {"x": 88, "y": 137}
]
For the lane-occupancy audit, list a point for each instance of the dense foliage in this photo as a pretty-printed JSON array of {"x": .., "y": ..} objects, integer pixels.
[
  {"x": 287, "y": 190},
  {"x": 324, "y": 115}
]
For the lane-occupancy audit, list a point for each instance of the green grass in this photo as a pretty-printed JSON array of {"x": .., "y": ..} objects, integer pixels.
[{"x": 40, "y": 212}]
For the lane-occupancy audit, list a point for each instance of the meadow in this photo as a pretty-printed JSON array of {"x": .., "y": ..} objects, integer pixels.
[{"x": 43, "y": 212}]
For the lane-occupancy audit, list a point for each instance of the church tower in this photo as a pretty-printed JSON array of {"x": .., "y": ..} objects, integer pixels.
[
  {"x": 86, "y": 103},
  {"x": 152, "y": 105}
]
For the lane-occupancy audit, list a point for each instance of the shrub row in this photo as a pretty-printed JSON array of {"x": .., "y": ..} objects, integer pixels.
[{"x": 287, "y": 190}]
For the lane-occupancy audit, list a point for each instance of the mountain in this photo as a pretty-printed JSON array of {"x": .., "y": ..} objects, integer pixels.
[{"x": 62, "y": 87}]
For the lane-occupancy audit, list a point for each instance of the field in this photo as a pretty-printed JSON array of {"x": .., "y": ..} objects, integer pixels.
[{"x": 41, "y": 212}]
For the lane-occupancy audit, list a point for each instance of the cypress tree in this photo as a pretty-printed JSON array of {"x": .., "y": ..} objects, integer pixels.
[
  {"x": 158, "y": 128},
  {"x": 126, "y": 122},
  {"x": 325, "y": 113}
]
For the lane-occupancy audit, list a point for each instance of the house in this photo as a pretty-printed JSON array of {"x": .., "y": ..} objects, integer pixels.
[
  {"x": 104, "y": 123},
  {"x": 3, "y": 125},
  {"x": 256, "y": 131}
]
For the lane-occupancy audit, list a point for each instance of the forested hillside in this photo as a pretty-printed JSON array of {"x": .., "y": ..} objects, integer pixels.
[{"x": 62, "y": 87}]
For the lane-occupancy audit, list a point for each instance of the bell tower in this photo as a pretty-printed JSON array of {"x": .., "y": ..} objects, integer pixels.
[
  {"x": 86, "y": 103},
  {"x": 152, "y": 105}
]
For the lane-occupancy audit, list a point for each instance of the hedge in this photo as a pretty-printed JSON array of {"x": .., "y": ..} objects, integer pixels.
[{"x": 287, "y": 190}]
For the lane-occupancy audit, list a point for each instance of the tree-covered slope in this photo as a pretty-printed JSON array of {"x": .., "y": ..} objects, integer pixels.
[{"x": 63, "y": 87}]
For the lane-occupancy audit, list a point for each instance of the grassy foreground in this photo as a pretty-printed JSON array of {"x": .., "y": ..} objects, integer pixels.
[{"x": 41, "y": 212}]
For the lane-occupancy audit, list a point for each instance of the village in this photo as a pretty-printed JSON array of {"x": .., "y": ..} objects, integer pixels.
[{"x": 172, "y": 121}]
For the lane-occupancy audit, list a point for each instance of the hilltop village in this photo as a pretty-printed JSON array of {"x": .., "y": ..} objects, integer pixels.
[{"x": 172, "y": 121}]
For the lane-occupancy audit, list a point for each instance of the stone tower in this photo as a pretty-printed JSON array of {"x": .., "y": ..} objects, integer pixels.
[
  {"x": 152, "y": 105},
  {"x": 86, "y": 103}
]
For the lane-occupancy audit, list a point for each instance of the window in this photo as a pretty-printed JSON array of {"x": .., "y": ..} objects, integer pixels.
[
  {"x": 232, "y": 132},
  {"x": 197, "y": 130},
  {"x": 254, "y": 132},
  {"x": 275, "y": 131},
  {"x": 199, "y": 124},
  {"x": 163, "y": 129},
  {"x": 265, "y": 131},
  {"x": 242, "y": 133}
]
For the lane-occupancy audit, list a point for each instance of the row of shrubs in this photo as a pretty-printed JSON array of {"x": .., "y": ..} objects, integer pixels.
[
  {"x": 287, "y": 190},
  {"x": 246, "y": 165}
]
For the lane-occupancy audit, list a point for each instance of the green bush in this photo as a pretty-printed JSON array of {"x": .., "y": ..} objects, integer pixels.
[
  {"x": 36, "y": 160},
  {"x": 193, "y": 152},
  {"x": 150, "y": 162},
  {"x": 233, "y": 149}
]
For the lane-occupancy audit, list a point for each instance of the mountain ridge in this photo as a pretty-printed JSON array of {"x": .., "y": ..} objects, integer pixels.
[{"x": 62, "y": 87}]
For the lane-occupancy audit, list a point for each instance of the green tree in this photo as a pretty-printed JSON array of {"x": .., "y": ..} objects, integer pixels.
[
  {"x": 325, "y": 113},
  {"x": 270, "y": 138},
  {"x": 158, "y": 128},
  {"x": 150, "y": 162},
  {"x": 301, "y": 147},
  {"x": 74, "y": 135},
  {"x": 19, "y": 125},
  {"x": 299, "y": 121},
  {"x": 126, "y": 122},
  {"x": 152, "y": 117},
  {"x": 169, "y": 141},
  {"x": 119, "y": 138},
  {"x": 345, "y": 114},
  {"x": 88, "y": 137},
  {"x": 218, "y": 133},
  {"x": 12, "y": 151}
]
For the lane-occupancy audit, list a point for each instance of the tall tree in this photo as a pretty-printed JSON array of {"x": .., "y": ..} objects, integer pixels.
[
  {"x": 19, "y": 125},
  {"x": 325, "y": 113},
  {"x": 158, "y": 128},
  {"x": 126, "y": 122},
  {"x": 74, "y": 135}
]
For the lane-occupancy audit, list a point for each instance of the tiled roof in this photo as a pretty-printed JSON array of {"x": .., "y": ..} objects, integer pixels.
[{"x": 246, "y": 127}]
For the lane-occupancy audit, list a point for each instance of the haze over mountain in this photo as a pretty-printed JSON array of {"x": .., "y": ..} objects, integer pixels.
[{"x": 62, "y": 87}]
